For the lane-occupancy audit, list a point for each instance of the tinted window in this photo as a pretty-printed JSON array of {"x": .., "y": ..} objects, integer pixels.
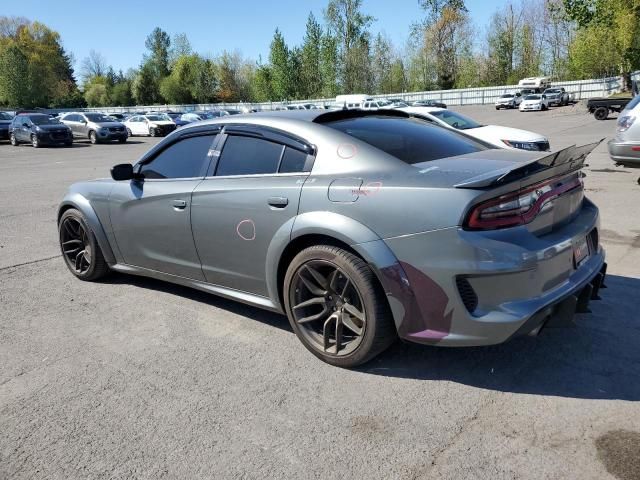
[
  {"x": 248, "y": 156},
  {"x": 5, "y": 116},
  {"x": 43, "y": 120},
  {"x": 455, "y": 119},
  {"x": 97, "y": 117},
  {"x": 632, "y": 104},
  {"x": 187, "y": 158},
  {"x": 409, "y": 139},
  {"x": 292, "y": 161}
]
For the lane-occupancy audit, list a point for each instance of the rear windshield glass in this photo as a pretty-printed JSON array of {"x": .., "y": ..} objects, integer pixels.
[
  {"x": 633, "y": 103},
  {"x": 409, "y": 139}
]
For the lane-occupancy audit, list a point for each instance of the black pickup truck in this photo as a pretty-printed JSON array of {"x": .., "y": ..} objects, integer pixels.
[{"x": 600, "y": 107}]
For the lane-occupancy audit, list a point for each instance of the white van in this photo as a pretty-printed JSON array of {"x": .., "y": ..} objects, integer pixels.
[{"x": 352, "y": 101}]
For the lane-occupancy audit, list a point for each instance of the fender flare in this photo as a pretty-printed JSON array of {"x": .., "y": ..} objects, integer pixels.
[
  {"x": 360, "y": 238},
  {"x": 77, "y": 201}
]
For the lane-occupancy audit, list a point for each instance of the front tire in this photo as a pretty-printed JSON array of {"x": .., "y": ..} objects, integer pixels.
[
  {"x": 93, "y": 138},
  {"x": 129, "y": 133},
  {"x": 34, "y": 141},
  {"x": 13, "y": 140},
  {"x": 80, "y": 248},
  {"x": 601, "y": 113},
  {"x": 336, "y": 307},
  {"x": 153, "y": 132}
]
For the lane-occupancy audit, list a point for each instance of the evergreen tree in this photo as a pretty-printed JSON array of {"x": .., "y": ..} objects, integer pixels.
[
  {"x": 13, "y": 74},
  {"x": 279, "y": 59},
  {"x": 310, "y": 60}
]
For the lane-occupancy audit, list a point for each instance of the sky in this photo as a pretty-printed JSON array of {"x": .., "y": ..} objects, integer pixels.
[{"x": 118, "y": 29}]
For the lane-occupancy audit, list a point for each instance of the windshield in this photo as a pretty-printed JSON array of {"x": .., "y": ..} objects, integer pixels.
[
  {"x": 43, "y": 120},
  {"x": 552, "y": 91},
  {"x": 157, "y": 118},
  {"x": 411, "y": 140},
  {"x": 456, "y": 120},
  {"x": 532, "y": 97},
  {"x": 5, "y": 116},
  {"x": 98, "y": 117}
]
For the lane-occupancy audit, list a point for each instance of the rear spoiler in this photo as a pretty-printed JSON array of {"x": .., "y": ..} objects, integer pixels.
[{"x": 573, "y": 157}]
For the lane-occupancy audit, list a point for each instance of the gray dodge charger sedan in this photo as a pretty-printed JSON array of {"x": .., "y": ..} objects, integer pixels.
[{"x": 361, "y": 226}]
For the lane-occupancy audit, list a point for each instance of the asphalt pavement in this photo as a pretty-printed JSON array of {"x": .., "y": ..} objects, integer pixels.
[{"x": 134, "y": 378}]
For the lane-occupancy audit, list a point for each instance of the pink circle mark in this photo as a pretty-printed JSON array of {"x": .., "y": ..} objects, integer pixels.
[
  {"x": 246, "y": 221},
  {"x": 347, "y": 150},
  {"x": 371, "y": 188}
]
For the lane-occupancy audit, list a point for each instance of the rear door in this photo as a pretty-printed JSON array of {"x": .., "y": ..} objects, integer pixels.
[
  {"x": 151, "y": 218},
  {"x": 250, "y": 193}
]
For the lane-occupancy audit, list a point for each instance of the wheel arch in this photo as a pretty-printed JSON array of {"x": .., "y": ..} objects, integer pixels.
[
  {"x": 80, "y": 203},
  {"x": 326, "y": 228}
]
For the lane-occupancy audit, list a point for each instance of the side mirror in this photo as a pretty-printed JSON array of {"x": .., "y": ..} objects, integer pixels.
[{"x": 123, "y": 171}]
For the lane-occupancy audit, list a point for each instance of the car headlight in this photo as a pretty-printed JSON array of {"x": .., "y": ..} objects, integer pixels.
[
  {"x": 532, "y": 146},
  {"x": 625, "y": 122},
  {"x": 153, "y": 125}
]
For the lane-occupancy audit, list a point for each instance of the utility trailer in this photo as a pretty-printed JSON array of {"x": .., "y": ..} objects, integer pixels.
[{"x": 601, "y": 107}]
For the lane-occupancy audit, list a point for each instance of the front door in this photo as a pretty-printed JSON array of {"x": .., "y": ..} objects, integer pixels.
[
  {"x": 151, "y": 217},
  {"x": 236, "y": 213}
]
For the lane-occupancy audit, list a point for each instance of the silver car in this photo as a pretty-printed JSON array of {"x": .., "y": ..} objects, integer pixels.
[
  {"x": 361, "y": 226},
  {"x": 97, "y": 127},
  {"x": 624, "y": 149}
]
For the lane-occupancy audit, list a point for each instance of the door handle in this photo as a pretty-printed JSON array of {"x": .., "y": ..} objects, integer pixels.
[
  {"x": 179, "y": 204},
  {"x": 278, "y": 202}
]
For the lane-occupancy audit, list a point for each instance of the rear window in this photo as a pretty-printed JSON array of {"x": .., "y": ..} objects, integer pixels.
[
  {"x": 632, "y": 104},
  {"x": 409, "y": 139}
]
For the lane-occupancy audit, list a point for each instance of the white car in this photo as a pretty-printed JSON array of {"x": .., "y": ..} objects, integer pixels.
[
  {"x": 496, "y": 135},
  {"x": 375, "y": 104},
  {"x": 155, "y": 125},
  {"x": 534, "y": 102},
  {"x": 509, "y": 100}
]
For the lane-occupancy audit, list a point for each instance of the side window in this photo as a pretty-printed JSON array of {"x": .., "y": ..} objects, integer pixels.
[
  {"x": 293, "y": 161},
  {"x": 187, "y": 158},
  {"x": 248, "y": 156}
]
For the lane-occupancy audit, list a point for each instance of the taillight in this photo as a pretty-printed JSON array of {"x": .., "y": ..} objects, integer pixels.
[
  {"x": 625, "y": 122},
  {"x": 518, "y": 208}
]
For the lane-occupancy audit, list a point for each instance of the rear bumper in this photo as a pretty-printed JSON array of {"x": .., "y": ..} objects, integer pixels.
[
  {"x": 468, "y": 288},
  {"x": 624, "y": 152}
]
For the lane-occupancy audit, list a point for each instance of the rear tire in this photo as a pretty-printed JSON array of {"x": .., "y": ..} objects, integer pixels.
[
  {"x": 601, "y": 113},
  {"x": 354, "y": 323},
  {"x": 153, "y": 132},
  {"x": 79, "y": 247}
]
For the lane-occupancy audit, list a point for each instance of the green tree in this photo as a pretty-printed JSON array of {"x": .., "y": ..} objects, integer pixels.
[
  {"x": 351, "y": 26},
  {"x": 310, "y": 84},
  {"x": 261, "y": 84},
  {"x": 442, "y": 30},
  {"x": 180, "y": 47},
  {"x": 96, "y": 92},
  {"x": 281, "y": 75},
  {"x": 329, "y": 69},
  {"x": 158, "y": 44},
  {"x": 205, "y": 81},
  {"x": 145, "y": 88},
  {"x": 121, "y": 93},
  {"x": 381, "y": 62},
  {"x": 13, "y": 73}
]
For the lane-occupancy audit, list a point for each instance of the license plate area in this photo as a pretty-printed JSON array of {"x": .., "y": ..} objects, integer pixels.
[{"x": 580, "y": 251}]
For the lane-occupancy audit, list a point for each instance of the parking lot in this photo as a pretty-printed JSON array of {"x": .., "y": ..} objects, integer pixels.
[{"x": 134, "y": 378}]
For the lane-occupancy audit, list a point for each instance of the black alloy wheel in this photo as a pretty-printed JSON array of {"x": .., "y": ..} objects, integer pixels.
[
  {"x": 328, "y": 307},
  {"x": 336, "y": 307},
  {"x": 80, "y": 249}
]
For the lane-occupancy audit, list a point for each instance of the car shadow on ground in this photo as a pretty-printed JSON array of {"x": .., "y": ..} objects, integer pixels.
[
  {"x": 598, "y": 359},
  {"x": 263, "y": 316}
]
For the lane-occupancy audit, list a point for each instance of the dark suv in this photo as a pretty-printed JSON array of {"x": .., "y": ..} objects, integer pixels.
[
  {"x": 38, "y": 130},
  {"x": 5, "y": 123}
]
